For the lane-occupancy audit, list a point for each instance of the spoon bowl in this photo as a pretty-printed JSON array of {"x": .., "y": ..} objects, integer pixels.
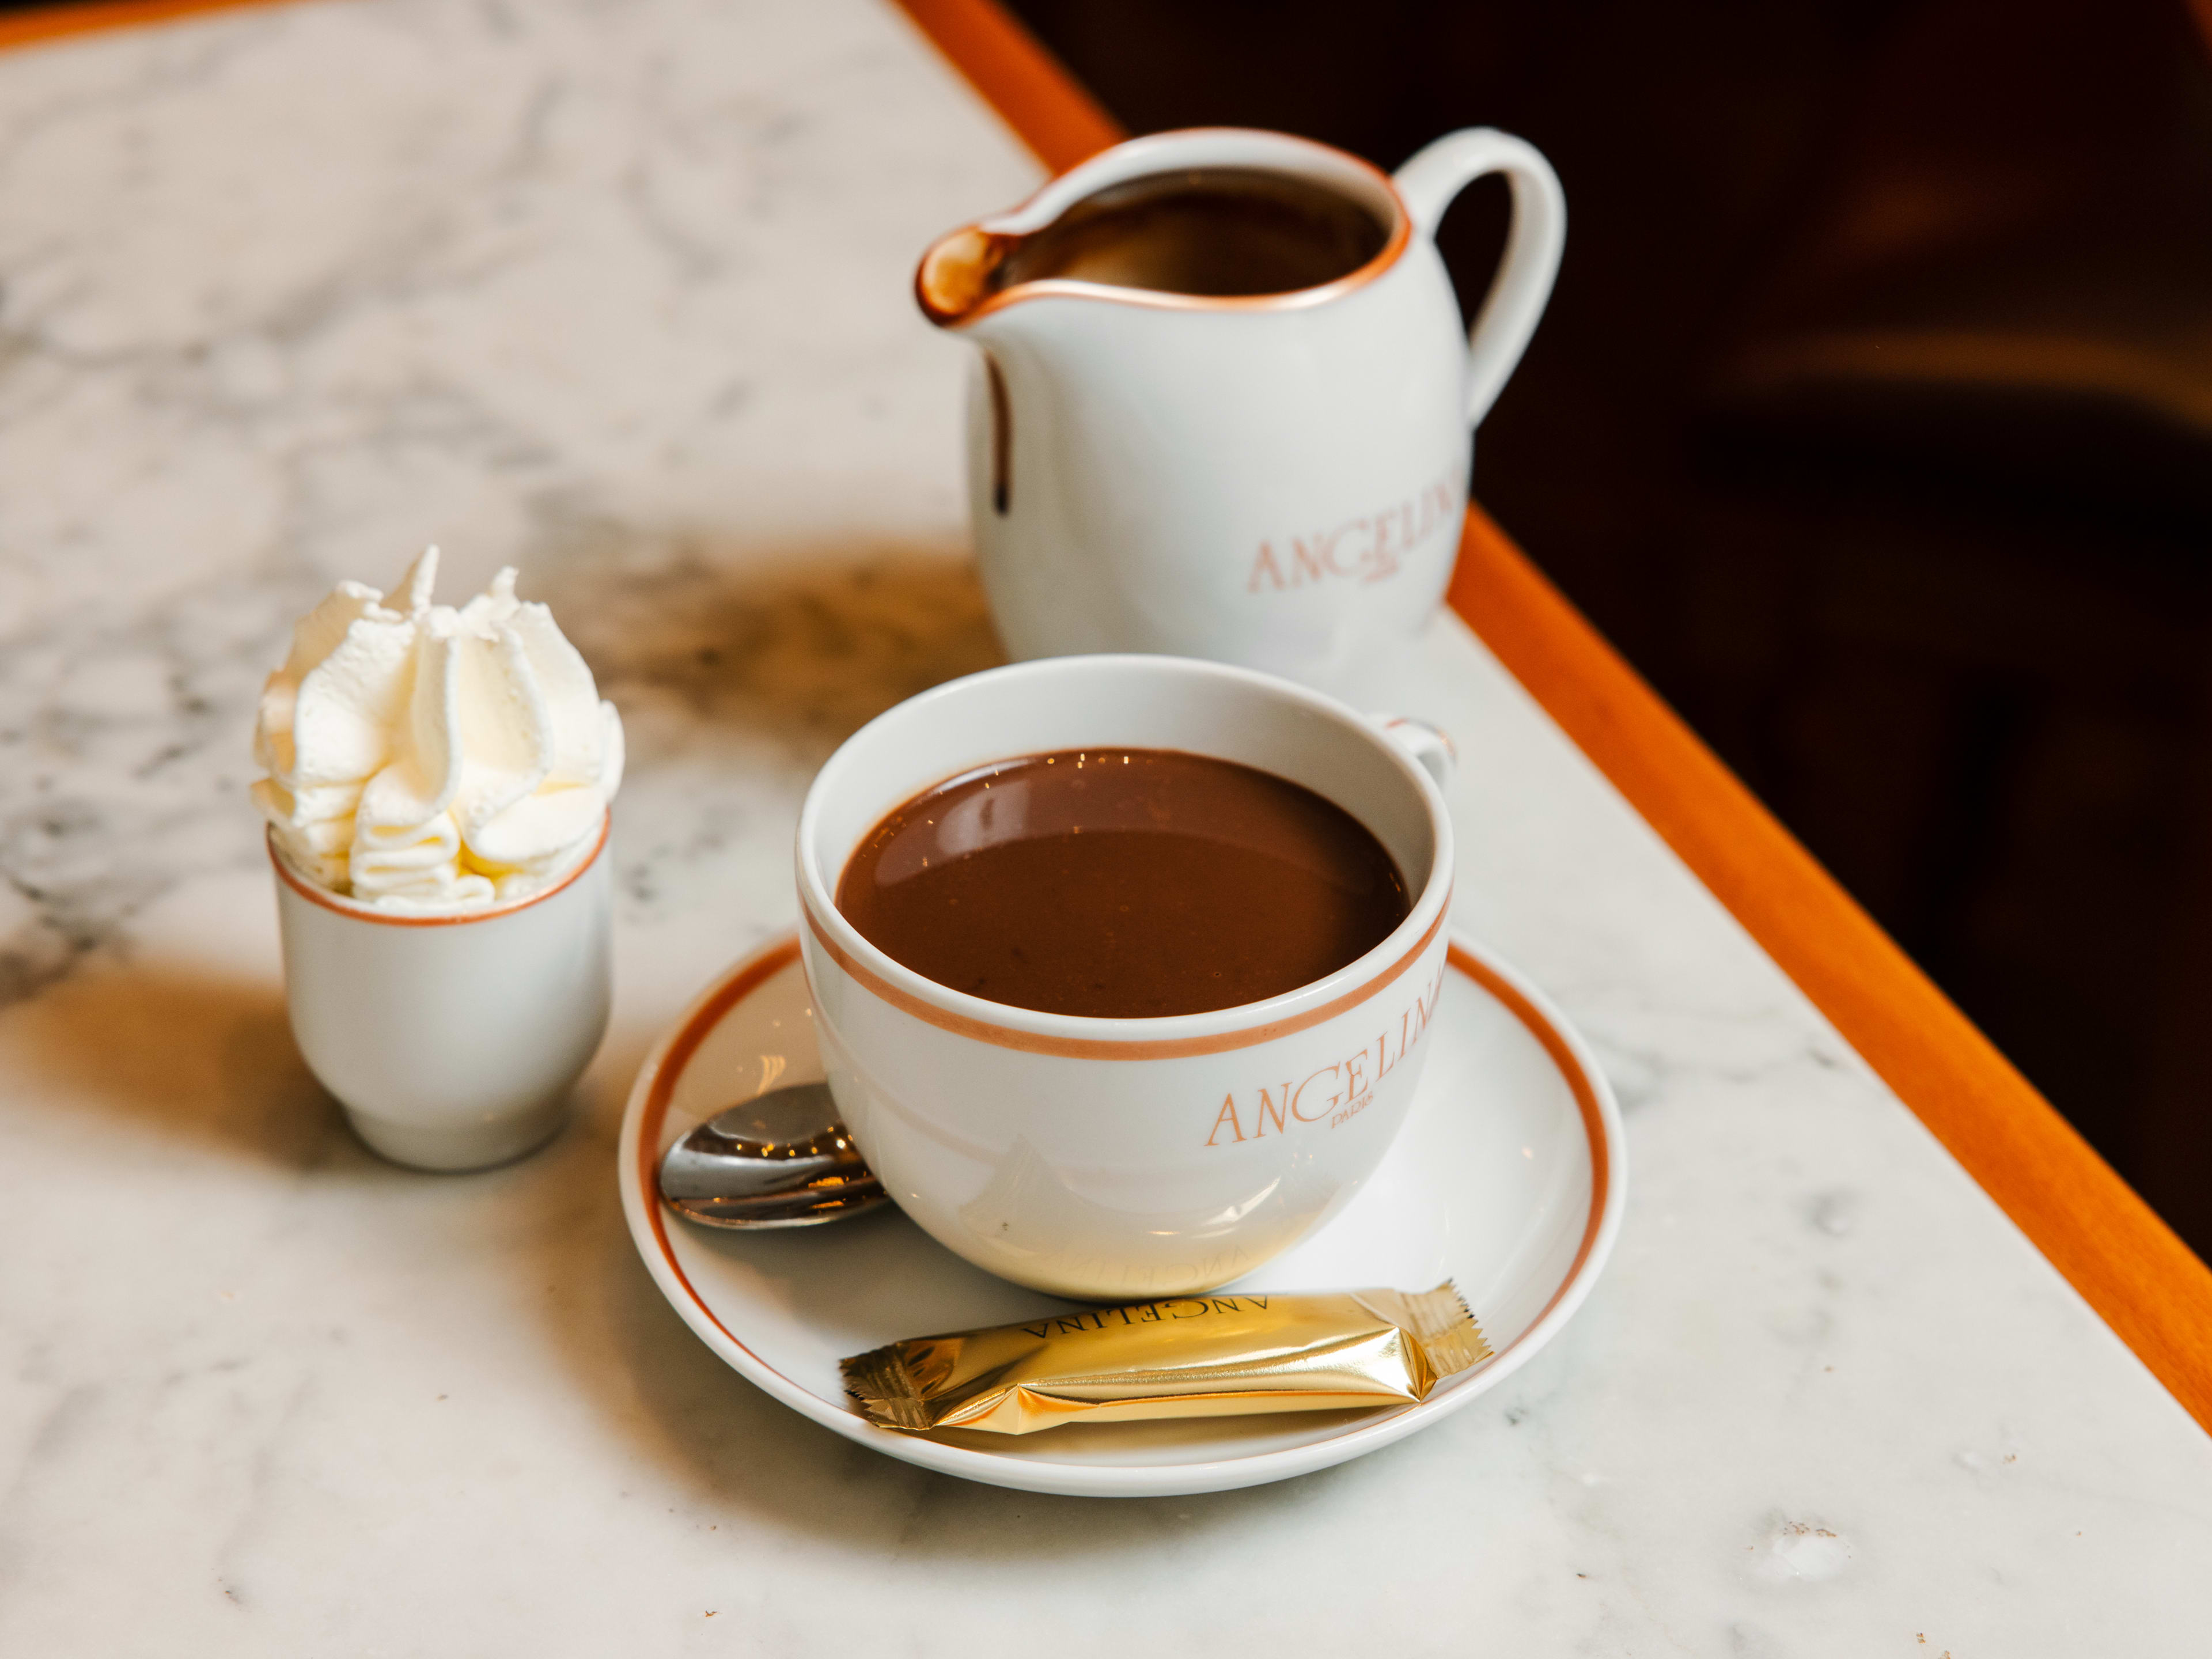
[{"x": 781, "y": 1159}]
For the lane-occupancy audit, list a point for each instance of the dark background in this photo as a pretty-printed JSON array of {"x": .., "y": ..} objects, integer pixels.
[{"x": 1872, "y": 420}]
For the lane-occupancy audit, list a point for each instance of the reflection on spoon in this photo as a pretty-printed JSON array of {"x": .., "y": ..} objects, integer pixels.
[{"x": 782, "y": 1159}]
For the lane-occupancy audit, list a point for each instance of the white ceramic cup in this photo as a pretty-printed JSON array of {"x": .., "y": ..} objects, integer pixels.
[
  {"x": 1120, "y": 1158},
  {"x": 451, "y": 1040},
  {"x": 1276, "y": 480}
]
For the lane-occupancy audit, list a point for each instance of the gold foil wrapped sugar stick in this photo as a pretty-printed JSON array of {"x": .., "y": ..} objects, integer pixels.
[{"x": 1189, "y": 1356}]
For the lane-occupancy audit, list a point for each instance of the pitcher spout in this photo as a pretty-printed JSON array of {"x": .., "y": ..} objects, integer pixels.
[
  {"x": 960, "y": 273},
  {"x": 972, "y": 281}
]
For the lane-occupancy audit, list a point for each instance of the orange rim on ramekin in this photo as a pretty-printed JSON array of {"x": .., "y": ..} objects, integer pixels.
[{"x": 360, "y": 912}]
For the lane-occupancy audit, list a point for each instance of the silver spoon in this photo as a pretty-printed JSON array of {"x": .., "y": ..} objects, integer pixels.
[{"x": 782, "y": 1159}]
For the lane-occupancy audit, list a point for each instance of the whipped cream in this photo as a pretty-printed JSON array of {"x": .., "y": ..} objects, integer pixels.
[{"x": 424, "y": 757}]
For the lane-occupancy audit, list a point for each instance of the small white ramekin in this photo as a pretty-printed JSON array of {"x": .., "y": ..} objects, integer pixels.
[{"x": 451, "y": 1040}]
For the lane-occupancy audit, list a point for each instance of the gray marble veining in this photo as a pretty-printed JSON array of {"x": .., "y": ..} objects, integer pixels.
[{"x": 617, "y": 292}]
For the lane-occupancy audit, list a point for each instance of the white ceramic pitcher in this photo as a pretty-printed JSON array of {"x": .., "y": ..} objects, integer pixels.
[{"x": 1274, "y": 480}]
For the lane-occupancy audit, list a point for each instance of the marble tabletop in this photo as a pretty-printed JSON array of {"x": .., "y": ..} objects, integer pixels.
[{"x": 618, "y": 292}]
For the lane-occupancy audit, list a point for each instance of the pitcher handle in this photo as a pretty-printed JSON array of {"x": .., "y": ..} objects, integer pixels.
[{"x": 1523, "y": 282}]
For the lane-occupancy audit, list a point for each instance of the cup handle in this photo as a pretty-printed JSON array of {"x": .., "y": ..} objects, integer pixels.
[
  {"x": 1431, "y": 745},
  {"x": 1523, "y": 282}
]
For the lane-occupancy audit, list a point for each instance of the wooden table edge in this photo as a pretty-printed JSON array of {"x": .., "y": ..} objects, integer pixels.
[
  {"x": 2109, "y": 1245},
  {"x": 31, "y": 28}
]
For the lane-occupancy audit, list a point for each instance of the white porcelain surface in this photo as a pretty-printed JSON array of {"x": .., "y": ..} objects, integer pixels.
[
  {"x": 1122, "y": 1159},
  {"x": 621, "y": 291},
  {"x": 1275, "y": 484},
  {"x": 451, "y": 1040},
  {"x": 1509, "y": 1179}
]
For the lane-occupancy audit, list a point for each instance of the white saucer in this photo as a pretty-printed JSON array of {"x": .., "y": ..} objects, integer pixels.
[{"x": 1507, "y": 1178}]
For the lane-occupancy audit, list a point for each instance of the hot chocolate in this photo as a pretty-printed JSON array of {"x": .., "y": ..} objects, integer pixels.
[
  {"x": 1220, "y": 231},
  {"x": 1122, "y": 883}
]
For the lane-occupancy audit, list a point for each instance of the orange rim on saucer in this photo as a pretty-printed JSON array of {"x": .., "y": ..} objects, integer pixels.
[{"x": 667, "y": 1068}]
